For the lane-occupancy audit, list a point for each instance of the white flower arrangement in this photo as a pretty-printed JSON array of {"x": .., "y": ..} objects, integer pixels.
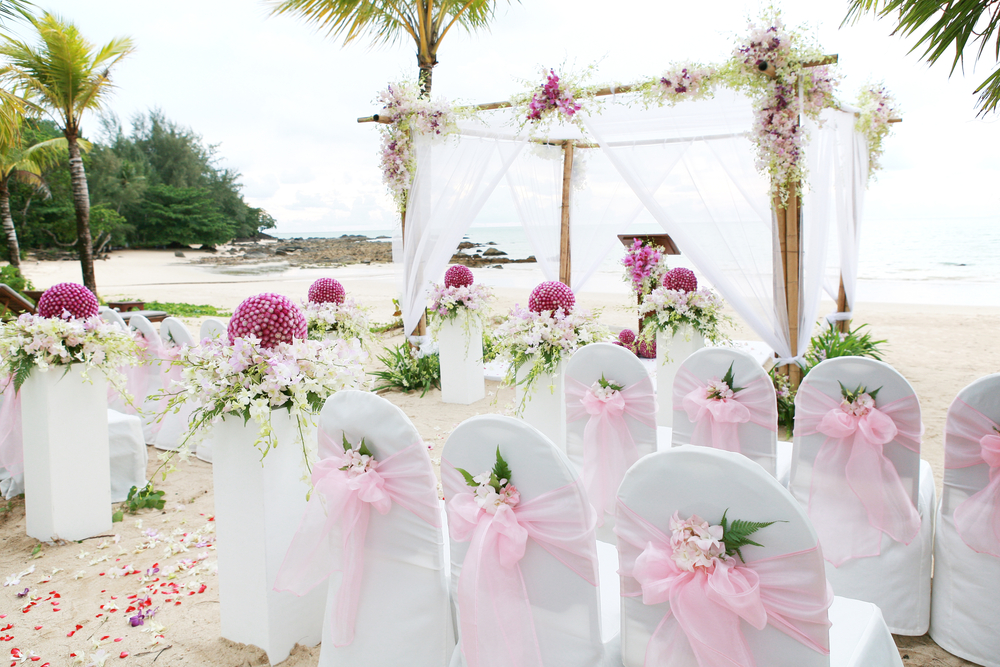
[
  {"x": 448, "y": 303},
  {"x": 544, "y": 339},
  {"x": 348, "y": 320},
  {"x": 32, "y": 341},
  {"x": 669, "y": 310},
  {"x": 877, "y": 107},
  {"x": 249, "y": 381}
]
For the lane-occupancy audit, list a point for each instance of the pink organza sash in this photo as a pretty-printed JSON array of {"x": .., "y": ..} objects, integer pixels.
[
  {"x": 788, "y": 592},
  {"x": 716, "y": 421},
  {"x": 331, "y": 536},
  {"x": 608, "y": 447},
  {"x": 856, "y": 493},
  {"x": 11, "y": 442},
  {"x": 972, "y": 439},
  {"x": 496, "y": 622}
]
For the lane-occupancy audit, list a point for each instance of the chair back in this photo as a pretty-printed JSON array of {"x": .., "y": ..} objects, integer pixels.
[
  {"x": 114, "y": 317},
  {"x": 755, "y": 435},
  {"x": 211, "y": 328},
  {"x": 707, "y": 482},
  {"x": 172, "y": 330}
]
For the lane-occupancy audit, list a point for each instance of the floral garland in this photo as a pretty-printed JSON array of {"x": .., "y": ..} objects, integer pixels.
[
  {"x": 557, "y": 99},
  {"x": 669, "y": 310},
  {"x": 877, "y": 107},
  {"x": 408, "y": 114},
  {"x": 249, "y": 381},
  {"x": 681, "y": 83},
  {"x": 348, "y": 320},
  {"x": 543, "y": 340},
  {"x": 645, "y": 266},
  {"x": 32, "y": 341}
]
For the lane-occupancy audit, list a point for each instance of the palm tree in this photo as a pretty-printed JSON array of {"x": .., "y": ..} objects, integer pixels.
[
  {"x": 426, "y": 22},
  {"x": 25, "y": 164},
  {"x": 67, "y": 75},
  {"x": 957, "y": 25}
]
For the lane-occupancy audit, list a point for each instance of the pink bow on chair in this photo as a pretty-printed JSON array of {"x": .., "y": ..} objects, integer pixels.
[
  {"x": 496, "y": 623},
  {"x": 789, "y": 592},
  {"x": 856, "y": 493},
  {"x": 716, "y": 421},
  {"x": 974, "y": 440},
  {"x": 11, "y": 442},
  {"x": 331, "y": 535},
  {"x": 608, "y": 447}
]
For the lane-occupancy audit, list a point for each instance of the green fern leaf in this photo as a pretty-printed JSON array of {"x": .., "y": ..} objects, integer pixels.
[
  {"x": 736, "y": 535},
  {"x": 468, "y": 478},
  {"x": 501, "y": 470}
]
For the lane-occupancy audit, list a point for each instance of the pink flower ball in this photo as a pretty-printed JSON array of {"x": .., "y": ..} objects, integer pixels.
[
  {"x": 270, "y": 317},
  {"x": 626, "y": 337},
  {"x": 551, "y": 295},
  {"x": 70, "y": 298},
  {"x": 681, "y": 279},
  {"x": 327, "y": 290},
  {"x": 647, "y": 350},
  {"x": 458, "y": 276}
]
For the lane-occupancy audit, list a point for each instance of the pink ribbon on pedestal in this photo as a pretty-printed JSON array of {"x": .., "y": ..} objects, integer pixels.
[
  {"x": 608, "y": 447},
  {"x": 495, "y": 610},
  {"x": 716, "y": 421},
  {"x": 856, "y": 493},
  {"x": 788, "y": 592},
  {"x": 11, "y": 441},
  {"x": 972, "y": 439},
  {"x": 331, "y": 536}
]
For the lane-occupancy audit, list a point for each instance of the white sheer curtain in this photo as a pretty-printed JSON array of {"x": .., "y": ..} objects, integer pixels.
[
  {"x": 454, "y": 178},
  {"x": 692, "y": 167},
  {"x": 535, "y": 182}
]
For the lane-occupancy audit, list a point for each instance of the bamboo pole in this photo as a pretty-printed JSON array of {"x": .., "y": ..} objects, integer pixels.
[
  {"x": 564, "y": 245},
  {"x": 792, "y": 275},
  {"x": 843, "y": 326}
]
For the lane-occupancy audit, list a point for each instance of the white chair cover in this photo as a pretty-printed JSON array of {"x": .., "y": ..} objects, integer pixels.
[
  {"x": 602, "y": 470},
  {"x": 144, "y": 380},
  {"x": 965, "y": 604},
  {"x": 693, "y": 480},
  {"x": 127, "y": 450},
  {"x": 756, "y": 437},
  {"x": 560, "y": 586},
  {"x": 173, "y": 331},
  {"x": 894, "y": 575},
  {"x": 211, "y": 328},
  {"x": 403, "y": 613},
  {"x": 113, "y": 316}
]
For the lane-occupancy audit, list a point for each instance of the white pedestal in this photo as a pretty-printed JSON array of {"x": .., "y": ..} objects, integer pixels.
[
  {"x": 67, "y": 470},
  {"x": 462, "y": 376},
  {"x": 677, "y": 348},
  {"x": 258, "y": 505},
  {"x": 545, "y": 408}
]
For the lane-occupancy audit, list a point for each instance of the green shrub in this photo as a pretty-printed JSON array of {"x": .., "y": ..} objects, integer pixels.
[
  {"x": 12, "y": 277},
  {"x": 405, "y": 371},
  {"x": 187, "y": 309}
]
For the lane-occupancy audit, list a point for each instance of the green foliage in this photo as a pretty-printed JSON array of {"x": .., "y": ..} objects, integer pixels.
[
  {"x": 852, "y": 395},
  {"x": 607, "y": 384},
  {"x": 145, "y": 498},
  {"x": 377, "y": 328},
  {"x": 362, "y": 448},
  {"x": 500, "y": 476},
  {"x": 490, "y": 349},
  {"x": 831, "y": 343},
  {"x": 405, "y": 371},
  {"x": 946, "y": 26},
  {"x": 737, "y": 534},
  {"x": 13, "y": 278},
  {"x": 180, "y": 215},
  {"x": 730, "y": 380},
  {"x": 187, "y": 309},
  {"x": 786, "y": 399}
]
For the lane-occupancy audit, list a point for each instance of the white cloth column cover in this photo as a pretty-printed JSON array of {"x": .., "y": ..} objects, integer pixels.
[
  {"x": 692, "y": 167},
  {"x": 454, "y": 178}
]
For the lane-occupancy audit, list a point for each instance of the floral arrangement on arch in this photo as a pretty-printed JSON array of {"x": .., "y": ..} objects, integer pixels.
[
  {"x": 408, "y": 114},
  {"x": 680, "y": 303},
  {"x": 265, "y": 363},
  {"x": 681, "y": 83},
  {"x": 544, "y": 334},
  {"x": 877, "y": 107},
  {"x": 556, "y": 99}
]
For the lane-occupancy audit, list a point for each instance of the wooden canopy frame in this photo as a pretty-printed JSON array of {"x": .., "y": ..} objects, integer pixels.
[{"x": 788, "y": 214}]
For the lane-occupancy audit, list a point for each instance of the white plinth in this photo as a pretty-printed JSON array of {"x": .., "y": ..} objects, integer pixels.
[
  {"x": 67, "y": 473},
  {"x": 462, "y": 376},
  {"x": 677, "y": 348},
  {"x": 258, "y": 505},
  {"x": 545, "y": 408}
]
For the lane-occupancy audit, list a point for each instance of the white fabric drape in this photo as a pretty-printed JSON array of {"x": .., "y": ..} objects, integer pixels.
[
  {"x": 535, "y": 182},
  {"x": 453, "y": 180},
  {"x": 692, "y": 167}
]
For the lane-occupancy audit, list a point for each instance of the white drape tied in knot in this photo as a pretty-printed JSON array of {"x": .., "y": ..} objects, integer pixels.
[
  {"x": 856, "y": 493},
  {"x": 331, "y": 535},
  {"x": 716, "y": 421},
  {"x": 707, "y": 605},
  {"x": 495, "y": 611},
  {"x": 608, "y": 446},
  {"x": 974, "y": 440}
]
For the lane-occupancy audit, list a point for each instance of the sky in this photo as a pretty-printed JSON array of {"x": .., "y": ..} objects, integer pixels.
[{"x": 281, "y": 100}]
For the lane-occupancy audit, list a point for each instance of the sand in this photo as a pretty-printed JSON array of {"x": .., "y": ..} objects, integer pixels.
[{"x": 940, "y": 349}]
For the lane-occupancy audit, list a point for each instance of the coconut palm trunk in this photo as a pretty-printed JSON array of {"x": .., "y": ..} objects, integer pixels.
[
  {"x": 8, "y": 225},
  {"x": 81, "y": 202}
]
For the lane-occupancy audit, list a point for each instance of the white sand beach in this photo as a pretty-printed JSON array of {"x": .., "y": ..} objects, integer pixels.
[{"x": 79, "y": 593}]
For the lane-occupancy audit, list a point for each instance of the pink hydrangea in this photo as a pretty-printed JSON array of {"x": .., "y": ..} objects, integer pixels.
[
  {"x": 327, "y": 290},
  {"x": 270, "y": 317},
  {"x": 696, "y": 543},
  {"x": 68, "y": 301},
  {"x": 681, "y": 279},
  {"x": 458, "y": 276},
  {"x": 550, "y": 296}
]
